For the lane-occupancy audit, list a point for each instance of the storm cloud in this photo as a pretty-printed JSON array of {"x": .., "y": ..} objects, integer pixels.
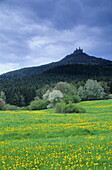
[{"x": 35, "y": 32}]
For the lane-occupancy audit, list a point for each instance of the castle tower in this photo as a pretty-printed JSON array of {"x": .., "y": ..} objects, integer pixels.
[{"x": 78, "y": 51}]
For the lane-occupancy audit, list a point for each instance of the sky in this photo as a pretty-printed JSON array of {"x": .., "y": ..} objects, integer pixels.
[{"x": 36, "y": 32}]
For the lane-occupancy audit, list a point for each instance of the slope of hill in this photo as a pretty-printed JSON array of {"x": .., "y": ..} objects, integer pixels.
[
  {"x": 26, "y": 87},
  {"x": 85, "y": 70},
  {"x": 78, "y": 57}
]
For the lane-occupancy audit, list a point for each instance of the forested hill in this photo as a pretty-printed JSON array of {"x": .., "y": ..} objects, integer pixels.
[
  {"x": 81, "y": 70},
  {"x": 21, "y": 91},
  {"x": 77, "y": 57}
]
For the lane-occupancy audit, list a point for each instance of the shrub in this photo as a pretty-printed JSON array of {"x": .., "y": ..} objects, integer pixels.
[
  {"x": 2, "y": 104},
  {"x": 110, "y": 96},
  {"x": 59, "y": 108},
  {"x": 72, "y": 108},
  {"x": 69, "y": 108},
  {"x": 23, "y": 108},
  {"x": 10, "y": 107},
  {"x": 67, "y": 98},
  {"x": 73, "y": 99},
  {"x": 76, "y": 99},
  {"x": 36, "y": 98},
  {"x": 38, "y": 104},
  {"x": 50, "y": 105}
]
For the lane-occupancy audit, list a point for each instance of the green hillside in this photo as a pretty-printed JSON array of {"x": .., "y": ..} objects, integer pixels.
[
  {"x": 76, "y": 74},
  {"x": 77, "y": 57},
  {"x": 48, "y": 140}
]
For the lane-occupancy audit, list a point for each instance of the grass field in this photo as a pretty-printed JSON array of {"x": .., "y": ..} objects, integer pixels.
[{"x": 47, "y": 140}]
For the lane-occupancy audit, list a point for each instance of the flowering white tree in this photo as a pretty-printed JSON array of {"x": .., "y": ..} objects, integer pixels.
[
  {"x": 46, "y": 95},
  {"x": 55, "y": 96}
]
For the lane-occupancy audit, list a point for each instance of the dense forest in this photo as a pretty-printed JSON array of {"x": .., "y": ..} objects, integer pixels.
[{"x": 21, "y": 91}]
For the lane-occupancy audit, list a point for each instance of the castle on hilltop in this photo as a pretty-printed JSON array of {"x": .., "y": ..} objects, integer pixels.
[{"x": 78, "y": 51}]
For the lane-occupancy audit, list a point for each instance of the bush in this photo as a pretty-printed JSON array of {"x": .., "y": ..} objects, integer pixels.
[
  {"x": 10, "y": 107},
  {"x": 76, "y": 99},
  {"x": 23, "y": 108},
  {"x": 59, "y": 108},
  {"x": 67, "y": 99},
  {"x": 73, "y": 99},
  {"x": 110, "y": 96},
  {"x": 38, "y": 104},
  {"x": 36, "y": 98},
  {"x": 69, "y": 108},
  {"x": 50, "y": 105},
  {"x": 72, "y": 108},
  {"x": 2, "y": 104}
]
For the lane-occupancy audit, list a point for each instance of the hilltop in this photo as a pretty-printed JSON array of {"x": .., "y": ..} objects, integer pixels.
[{"x": 77, "y": 57}]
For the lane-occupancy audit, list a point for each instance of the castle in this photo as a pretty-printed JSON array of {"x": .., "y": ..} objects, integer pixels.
[{"x": 78, "y": 51}]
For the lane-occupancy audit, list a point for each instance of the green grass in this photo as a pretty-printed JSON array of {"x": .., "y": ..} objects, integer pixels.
[{"x": 48, "y": 140}]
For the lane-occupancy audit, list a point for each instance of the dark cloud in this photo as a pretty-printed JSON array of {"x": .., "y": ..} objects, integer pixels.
[
  {"x": 34, "y": 32},
  {"x": 63, "y": 13}
]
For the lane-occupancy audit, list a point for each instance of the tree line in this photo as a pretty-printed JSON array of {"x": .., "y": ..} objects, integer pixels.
[
  {"x": 22, "y": 91},
  {"x": 62, "y": 96}
]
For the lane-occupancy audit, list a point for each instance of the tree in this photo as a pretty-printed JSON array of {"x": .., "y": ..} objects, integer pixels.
[
  {"x": 2, "y": 104},
  {"x": 41, "y": 91},
  {"x": 46, "y": 95},
  {"x": 22, "y": 100},
  {"x": 91, "y": 90},
  {"x": 3, "y": 96},
  {"x": 55, "y": 96},
  {"x": 105, "y": 86},
  {"x": 65, "y": 88},
  {"x": 81, "y": 92}
]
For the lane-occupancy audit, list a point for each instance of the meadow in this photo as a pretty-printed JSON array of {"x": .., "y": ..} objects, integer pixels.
[{"x": 46, "y": 140}]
